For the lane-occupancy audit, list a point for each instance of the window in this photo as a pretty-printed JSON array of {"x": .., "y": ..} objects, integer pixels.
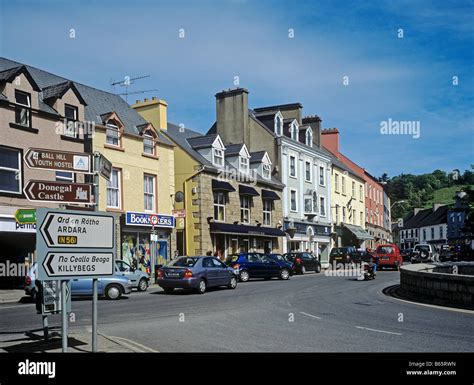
[
  {"x": 267, "y": 212},
  {"x": 367, "y": 215},
  {"x": 308, "y": 204},
  {"x": 337, "y": 214},
  {"x": 322, "y": 206},
  {"x": 366, "y": 190},
  {"x": 307, "y": 169},
  {"x": 354, "y": 217},
  {"x": 245, "y": 209},
  {"x": 22, "y": 110},
  {"x": 71, "y": 115},
  {"x": 10, "y": 170},
  {"x": 343, "y": 185},
  {"x": 336, "y": 182},
  {"x": 244, "y": 164},
  {"x": 309, "y": 137},
  {"x": 441, "y": 233},
  {"x": 218, "y": 157},
  {"x": 219, "y": 206},
  {"x": 416, "y": 233},
  {"x": 353, "y": 189},
  {"x": 64, "y": 176},
  {"x": 149, "y": 191},
  {"x": 267, "y": 168},
  {"x": 113, "y": 189},
  {"x": 112, "y": 135},
  {"x": 361, "y": 218},
  {"x": 361, "y": 193},
  {"x": 432, "y": 233},
  {"x": 293, "y": 201},
  {"x": 278, "y": 125},
  {"x": 424, "y": 234},
  {"x": 315, "y": 202},
  {"x": 292, "y": 166},
  {"x": 148, "y": 144},
  {"x": 344, "y": 214},
  {"x": 322, "y": 178},
  {"x": 294, "y": 131}
]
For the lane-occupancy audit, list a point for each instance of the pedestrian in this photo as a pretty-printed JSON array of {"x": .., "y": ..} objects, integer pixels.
[{"x": 209, "y": 254}]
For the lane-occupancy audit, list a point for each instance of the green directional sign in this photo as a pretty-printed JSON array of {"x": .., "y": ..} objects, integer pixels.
[{"x": 25, "y": 216}]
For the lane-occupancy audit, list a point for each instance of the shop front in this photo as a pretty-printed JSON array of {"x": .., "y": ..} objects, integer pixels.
[
  {"x": 230, "y": 239},
  {"x": 352, "y": 235},
  {"x": 145, "y": 245},
  {"x": 305, "y": 236}
]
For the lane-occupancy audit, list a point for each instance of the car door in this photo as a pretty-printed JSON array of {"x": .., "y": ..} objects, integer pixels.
[
  {"x": 255, "y": 266},
  {"x": 125, "y": 270},
  {"x": 210, "y": 271},
  {"x": 222, "y": 273},
  {"x": 81, "y": 286},
  {"x": 271, "y": 266}
]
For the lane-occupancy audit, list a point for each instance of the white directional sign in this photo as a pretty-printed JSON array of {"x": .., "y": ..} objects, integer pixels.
[
  {"x": 74, "y": 244},
  {"x": 69, "y": 264},
  {"x": 64, "y": 230}
]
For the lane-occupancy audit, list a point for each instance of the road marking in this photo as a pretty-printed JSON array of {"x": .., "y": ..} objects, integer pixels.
[
  {"x": 14, "y": 307},
  {"x": 378, "y": 331},
  {"x": 310, "y": 315},
  {"x": 137, "y": 347}
]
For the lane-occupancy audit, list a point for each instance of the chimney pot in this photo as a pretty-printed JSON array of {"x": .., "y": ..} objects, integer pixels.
[
  {"x": 153, "y": 98},
  {"x": 145, "y": 100},
  {"x": 137, "y": 101}
]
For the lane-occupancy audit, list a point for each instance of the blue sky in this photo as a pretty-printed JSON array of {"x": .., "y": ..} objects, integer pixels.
[{"x": 407, "y": 79}]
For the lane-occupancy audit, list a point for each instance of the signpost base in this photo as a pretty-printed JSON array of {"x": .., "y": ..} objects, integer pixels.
[{"x": 64, "y": 316}]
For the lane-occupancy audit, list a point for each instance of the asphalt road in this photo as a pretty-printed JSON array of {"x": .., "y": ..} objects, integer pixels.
[{"x": 311, "y": 313}]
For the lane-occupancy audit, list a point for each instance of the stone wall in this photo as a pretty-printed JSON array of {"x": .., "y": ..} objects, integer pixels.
[{"x": 420, "y": 283}]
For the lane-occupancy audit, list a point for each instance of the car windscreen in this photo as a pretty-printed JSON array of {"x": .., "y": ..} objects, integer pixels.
[
  {"x": 385, "y": 250},
  {"x": 278, "y": 257},
  {"x": 184, "y": 262},
  {"x": 339, "y": 252}
]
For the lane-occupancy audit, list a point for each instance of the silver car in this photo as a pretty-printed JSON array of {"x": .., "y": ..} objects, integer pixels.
[
  {"x": 197, "y": 273},
  {"x": 140, "y": 280}
]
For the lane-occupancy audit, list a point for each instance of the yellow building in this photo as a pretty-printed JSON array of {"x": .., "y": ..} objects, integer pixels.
[
  {"x": 141, "y": 186},
  {"x": 348, "y": 206}
]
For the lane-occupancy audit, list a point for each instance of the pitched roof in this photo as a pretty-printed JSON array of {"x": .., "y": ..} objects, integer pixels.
[
  {"x": 426, "y": 217},
  {"x": 233, "y": 149},
  {"x": 202, "y": 141},
  {"x": 256, "y": 157}
]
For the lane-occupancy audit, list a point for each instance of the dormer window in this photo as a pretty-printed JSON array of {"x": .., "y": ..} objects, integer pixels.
[
  {"x": 278, "y": 124},
  {"x": 71, "y": 115},
  {"x": 309, "y": 137},
  {"x": 267, "y": 169},
  {"x": 112, "y": 134},
  {"x": 148, "y": 143},
  {"x": 22, "y": 110},
  {"x": 218, "y": 157},
  {"x": 244, "y": 164},
  {"x": 294, "y": 130}
]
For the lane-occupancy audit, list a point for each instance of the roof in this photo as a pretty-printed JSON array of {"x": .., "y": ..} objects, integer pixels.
[
  {"x": 233, "y": 149},
  {"x": 202, "y": 141},
  {"x": 97, "y": 101},
  {"x": 256, "y": 157},
  {"x": 426, "y": 217}
]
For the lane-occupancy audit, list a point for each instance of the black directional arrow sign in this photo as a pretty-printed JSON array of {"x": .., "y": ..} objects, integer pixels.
[{"x": 66, "y": 265}]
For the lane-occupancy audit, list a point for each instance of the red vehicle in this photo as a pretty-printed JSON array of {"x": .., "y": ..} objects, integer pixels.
[{"x": 389, "y": 256}]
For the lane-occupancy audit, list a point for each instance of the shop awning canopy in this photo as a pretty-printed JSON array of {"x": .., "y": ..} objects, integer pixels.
[
  {"x": 219, "y": 185},
  {"x": 247, "y": 190},
  {"x": 228, "y": 228},
  {"x": 359, "y": 232},
  {"x": 268, "y": 194}
]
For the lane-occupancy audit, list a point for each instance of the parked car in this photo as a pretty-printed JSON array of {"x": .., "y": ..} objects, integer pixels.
[
  {"x": 423, "y": 253},
  {"x": 280, "y": 258},
  {"x": 406, "y": 254},
  {"x": 140, "y": 280},
  {"x": 303, "y": 262},
  {"x": 112, "y": 287},
  {"x": 258, "y": 265},
  {"x": 197, "y": 273},
  {"x": 344, "y": 255},
  {"x": 389, "y": 256}
]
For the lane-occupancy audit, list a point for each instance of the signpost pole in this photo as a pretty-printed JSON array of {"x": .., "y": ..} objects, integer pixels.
[
  {"x": 94, "y": 281},
  {"x": 45, "y": 328},
  {"x": 63, "y": 315}
]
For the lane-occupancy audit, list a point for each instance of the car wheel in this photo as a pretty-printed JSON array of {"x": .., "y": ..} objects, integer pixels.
[
  {"x": 168, "y": 290},
  {"x": 244, "y": 276},
  {"x": 202, "y": 287},
  {"x": 318, "y": 269},
  {"x": 142, "y": 285},
  {"x": 233, "y": 283},
  {"x": 303, "y": 269},
  {"x": 113, "y": 292},
  {"x": 284, "y": 274}
]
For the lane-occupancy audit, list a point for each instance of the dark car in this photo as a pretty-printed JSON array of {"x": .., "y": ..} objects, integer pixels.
[
  {"x": 303, "y": 262},
  {"x": 344, "y": 255},
  {"x": 258, "y": 265},
  {"x": 280, "y": 258},
  {"x": 197, "y": 273},
  {"x": 406, "y": 254}
]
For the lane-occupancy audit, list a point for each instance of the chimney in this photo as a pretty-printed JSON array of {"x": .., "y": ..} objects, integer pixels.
[
  {"x": 153, "y": 111},
  {"x": 330, "y": 139},
  {"x": 232, "y": 116},
  {"x": 315, "y": 122},
  {"x": 416, "y": 210},
  {"x": 436, "y": 206}
]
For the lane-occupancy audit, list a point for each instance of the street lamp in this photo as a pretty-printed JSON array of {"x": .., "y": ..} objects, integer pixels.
[{"x": 397, "y": 202}]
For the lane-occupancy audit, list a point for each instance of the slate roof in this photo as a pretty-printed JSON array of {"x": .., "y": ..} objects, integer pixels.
[
  {"x": 257, "y": 156},
  {"x": 233, "y": 149},
  {"x": 426, "y": 217},
  {"x": 202, "y": 141},
  {"x": 97, "y": 101}
]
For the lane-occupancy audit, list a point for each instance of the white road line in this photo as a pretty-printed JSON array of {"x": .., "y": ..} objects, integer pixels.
[
  {"x": 378, "y": 331},
  {"x": 133, "y": 344},
  {"x": 13, "y": 307},
  {"x": 310, "y": 315}
]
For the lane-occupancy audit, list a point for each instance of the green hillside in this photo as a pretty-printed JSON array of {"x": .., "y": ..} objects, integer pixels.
[{"x": 444, "y": 195}]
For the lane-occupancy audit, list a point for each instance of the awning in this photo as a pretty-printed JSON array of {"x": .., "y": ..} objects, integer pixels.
[
  {"x": 247, "y": 190},
  {"x": 358, "y": 232},
  {"x": 268, "y": 194},
  {"x": 228, "y": 228},
  {"x": 218, "y": 185}
]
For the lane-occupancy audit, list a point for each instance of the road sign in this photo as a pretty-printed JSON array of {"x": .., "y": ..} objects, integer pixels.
[
  {"x": 105, "y": 167},
  {"x": 58, "y": 160},
  {"x": 154, "y": 219},
  {"x": 75, "y": 244},
  {"x": 48, "y": 300},
  {"x": 25, "y": 216},
  {"x": 58, "y": 192},
  {"x": 87, "y": 231},
  {"x": 64, "y": 265}
]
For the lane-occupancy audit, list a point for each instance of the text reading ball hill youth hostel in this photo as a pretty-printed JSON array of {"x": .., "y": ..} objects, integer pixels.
[{"x": 236, "y": 177}]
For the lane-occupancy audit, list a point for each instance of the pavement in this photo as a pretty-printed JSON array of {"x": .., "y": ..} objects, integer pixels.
[{"x": 310, "y": 313}]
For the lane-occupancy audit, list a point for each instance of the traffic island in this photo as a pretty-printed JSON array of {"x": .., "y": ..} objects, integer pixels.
[{"x": 444, "y": 284}]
